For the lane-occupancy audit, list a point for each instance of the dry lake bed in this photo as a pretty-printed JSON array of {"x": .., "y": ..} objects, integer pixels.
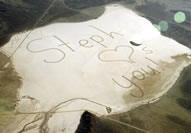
[{"x": 103, "y": 66}]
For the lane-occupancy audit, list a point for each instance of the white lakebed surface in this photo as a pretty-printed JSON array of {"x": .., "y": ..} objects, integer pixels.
[{"x": 67, "y": 68}]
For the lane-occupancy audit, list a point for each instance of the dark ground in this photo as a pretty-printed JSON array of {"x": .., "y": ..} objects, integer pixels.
[{"x": 171, "y": 114}]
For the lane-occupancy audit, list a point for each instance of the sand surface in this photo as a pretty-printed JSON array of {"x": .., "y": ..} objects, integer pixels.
[{"x": 107, "y": 65}]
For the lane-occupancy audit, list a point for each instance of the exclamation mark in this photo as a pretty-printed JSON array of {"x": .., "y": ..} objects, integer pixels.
[{"x": 7, "y": 64}]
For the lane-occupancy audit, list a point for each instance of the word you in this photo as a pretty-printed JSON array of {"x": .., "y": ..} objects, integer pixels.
[{"x": 137, "y": 75}]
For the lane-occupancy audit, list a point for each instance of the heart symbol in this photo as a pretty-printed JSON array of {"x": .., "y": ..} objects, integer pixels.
[{"x": 114, "y": 55}]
